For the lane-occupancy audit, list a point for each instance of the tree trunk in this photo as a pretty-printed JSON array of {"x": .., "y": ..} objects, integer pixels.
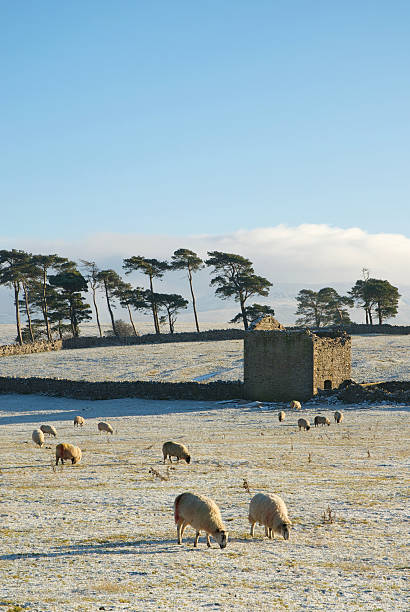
[
  {"x": 379, "y": 312},
  {"x": 193, "y": 298},
  {"x": 16, "y": 302},
  {"x": 370, "y": 317},
  {"x": 96, "y": 313},
  {"x": 171, "y": 325},
  {"x": 110, "y": 310},
  {"x": 73, "y": 317},
  {"x": 30, "y": 327},
  {"x": 367, "y": 315},
  {"x": 243, "y": 311},
  {"x": 44, "y": 307},
  {"x": 132, "y": 322},
  {"x": 154, "y": 307}
]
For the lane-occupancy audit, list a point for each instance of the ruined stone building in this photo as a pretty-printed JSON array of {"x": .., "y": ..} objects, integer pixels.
[{"x": 282, "y": 365}]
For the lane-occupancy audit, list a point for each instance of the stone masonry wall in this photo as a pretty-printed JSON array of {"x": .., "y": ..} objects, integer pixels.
[
  {"x": 331, "y": 361},
  {"x": 278, "y": 365},
  {"x": 80, "y": 389},
  {"x": 34, "y": 347}
]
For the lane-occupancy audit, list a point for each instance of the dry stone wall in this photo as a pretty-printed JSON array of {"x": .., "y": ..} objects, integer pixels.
[
  {"x": 80, "y": 389},
  {"x": 33, "y": 347}
]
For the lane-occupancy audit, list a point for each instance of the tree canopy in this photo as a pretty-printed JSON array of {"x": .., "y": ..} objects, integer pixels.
[{"x": 234, "y": 276}]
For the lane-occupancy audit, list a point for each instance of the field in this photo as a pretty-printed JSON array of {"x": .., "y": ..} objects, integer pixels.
[{"x": 101, "y": 535}]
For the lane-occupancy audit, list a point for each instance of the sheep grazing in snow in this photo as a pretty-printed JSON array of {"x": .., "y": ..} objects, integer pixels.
[
  {"x": 78, "y": 421},
  {"x": 281, "y": 416},
  {"x": 271, "y": 512},
  {"x": 338, "y": 416},
  {"x": 295, "y": 405},
  {"x": 49, "y": 430},
  {"x": 104, "y": 426},
  {"x": 38, "y": 437},
  {"x": 172, "y": 449},
  {"x": 66, "y": 451},
  {"x": 303, "y": 424},
  {"x": 202, "y": 514},
  {"x": 321, "y": 420}
]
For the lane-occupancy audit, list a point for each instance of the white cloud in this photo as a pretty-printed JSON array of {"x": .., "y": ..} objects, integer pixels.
[{"x": 303, "y": 254}]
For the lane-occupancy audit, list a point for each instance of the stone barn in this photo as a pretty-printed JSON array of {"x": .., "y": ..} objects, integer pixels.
[{"x": 286, "y": 365}]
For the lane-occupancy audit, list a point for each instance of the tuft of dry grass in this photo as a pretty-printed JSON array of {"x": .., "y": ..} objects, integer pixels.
[{"x": 328, "y": 516}]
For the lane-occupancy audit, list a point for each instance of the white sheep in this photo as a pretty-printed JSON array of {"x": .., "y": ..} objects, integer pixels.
[
  {"x": 202, "y": 514},
  {"x": 173, "y": 449},
  {"x": 270, "y": 511},
  {"x": 338, "y": 416},
  {"x": 104, "y": 426},
  {"x": 68, "y": 451},
  {"x": 321, "y": 420},
  {"x": 303, "y": 424},
  {"x": 49, "y": 430},
  {"x": 79, "y": 421},
  {"x": 38, "y": 437},
  {"x": 281, "y": 416},
  {"x": 295, "y": 405}
]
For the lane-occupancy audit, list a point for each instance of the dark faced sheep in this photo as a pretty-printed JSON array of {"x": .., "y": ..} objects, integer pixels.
[
  {"x": 202, "y": 514},
  {"x": 303, "y": 424},
  {"x": 172, "y": 449}
]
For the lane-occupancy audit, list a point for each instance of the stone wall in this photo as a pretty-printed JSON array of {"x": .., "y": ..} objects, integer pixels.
[
  {"x": 332, "y": 363},
  {"x": 80, "y": 389},
  {"x": 278, "y": 365},
  {"x": 286, "y": 365},
  {"x": 211, "y": 335},
  {"x": 34, "y": 347}
]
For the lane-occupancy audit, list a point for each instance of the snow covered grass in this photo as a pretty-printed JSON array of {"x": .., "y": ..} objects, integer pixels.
[
  {"x": 102, "y": 533},
  {"x": 374, "y": 358}
]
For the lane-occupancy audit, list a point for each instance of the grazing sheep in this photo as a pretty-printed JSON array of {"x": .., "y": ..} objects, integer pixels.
[
  {"x": 68, "y": 451},
  {"x": 295, "y": 405},
  {"x": 338, "y": 416},
  {"x": 281, "y": 416},
  {"x": 104, "y": 426},
  {"x": 38, "y": 437},
  {"x": 270, "y": 511},
  {"x": 321, "y": 420},
  {"x": 49, "y": 430},
  {"x": 202, "y": 514},
  {"x": 303, "y": 424},
  {"x": 78, "y": 421},
  {"x": 172, "y": 449}
]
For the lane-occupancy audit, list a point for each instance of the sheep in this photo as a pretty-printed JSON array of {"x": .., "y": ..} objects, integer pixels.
[
  {"x": 295, "y": 405},
  {"x": 49, "y": 430},
  {"x": 172, "y": 449},
  {"x": 270, "y": 511},
  {"x": 202, "y": 514},
  {"x": 321, "y": 420},
  {"x": 38, "y": 437},
  {"x": 281, "y": 416},
  {"x": 104, "y": 426},
  {"x": 338, "y": 416},
  {"x": 79, "y": 421},
  {"x": 68, "y": 451},
  {"x": 303, "y": 424}
]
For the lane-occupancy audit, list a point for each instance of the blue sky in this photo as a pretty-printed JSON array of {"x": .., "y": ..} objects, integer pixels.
[{"x": 182, "y": 118}]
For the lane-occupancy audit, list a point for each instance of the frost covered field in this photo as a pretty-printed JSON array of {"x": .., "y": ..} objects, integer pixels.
[
  {"x": 374, "y": 358},
  {"x": 101, "y": 535}
]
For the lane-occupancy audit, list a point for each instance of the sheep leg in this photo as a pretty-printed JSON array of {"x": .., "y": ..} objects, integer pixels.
[
  {"x": 252, "y": 529},
  {"x": 208, "y": 541},
  {"x": 271, "y": 534},
  {"x": 179, "y": 533},
  {"x": 196, "y": 539}
]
